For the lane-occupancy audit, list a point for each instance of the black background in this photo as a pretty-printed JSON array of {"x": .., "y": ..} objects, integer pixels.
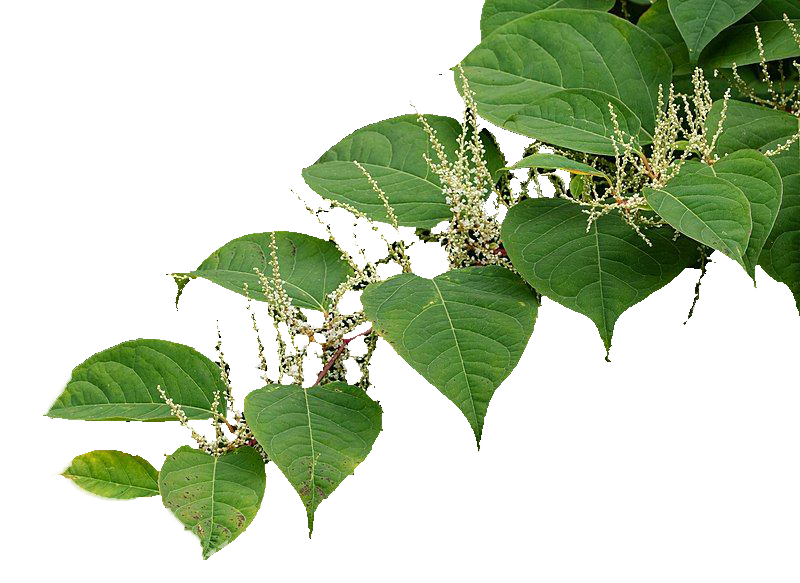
[{"x": 159, "y": 136}]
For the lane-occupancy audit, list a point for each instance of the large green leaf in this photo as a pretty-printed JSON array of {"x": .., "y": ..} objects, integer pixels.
[
  {"x": 774, "y": 10},
  {"x": 599, "y": 273},
  {"x": 214, "y": 497},
  {"x": 556, "y": 162},
  {"x": 316, "y": 436},
  {"x": 752, "y": 126},
  {"x": 704, "y": 202},
  {"x": 113, "y": 474},
  {"x": 393, "y": 151},
  {"x": 738, "y": 44},
  {"x": 658, "y": 23},
  {"x": 552, "y": 75},
  {"x": 121, "y": 384},
  {"x": 464, "y": 330},
  {"x": 310, "y": 268},
  {"x": 700, "y": 21},
  {"x": 496, "y": 13}
]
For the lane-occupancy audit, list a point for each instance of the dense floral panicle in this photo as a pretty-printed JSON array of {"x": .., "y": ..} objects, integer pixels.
[{"x": 472, "y": 236}]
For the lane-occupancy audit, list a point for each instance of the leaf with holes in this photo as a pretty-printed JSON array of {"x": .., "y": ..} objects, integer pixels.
[
  {"x": 693, "y": 203},
  {"x": 496, "y": 13},
  {"x": 464, "y": 330},
  {"x": 121, "y": 384},
  {"x": 316, "y": 436},
  {"x": 214, "y": 497},
  {"x": 700, "y": 21},
  {"x": 599, "y": 272},
  {"x": 393, "y": 152},
  {"x": 553, "y": 74},
  {"x": 752, "y": 126},
  {"x": 113, "y": 474},
  {"x": 310, "y": 268}
]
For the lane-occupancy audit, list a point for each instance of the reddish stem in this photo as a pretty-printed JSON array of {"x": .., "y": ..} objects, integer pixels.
[{"x": 335, "y": 356}]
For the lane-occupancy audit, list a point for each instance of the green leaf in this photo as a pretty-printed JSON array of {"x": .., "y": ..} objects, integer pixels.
[
  {"x": 599, "y": 273},
  {"x": 738, "y": 44},
  {"x": 393, "y": 151},
  {"x": 316, "y": 436},
  {"x": 752, "y": 126},
  {"x": 214, "y": 497},
  {"x": 496, "y": 13},
  {"x": 556, "y": 162},
  {"x": 120, "y": 384},
  {"x": 658, "y": 23},
  {"x": 113, "y": 474},
  {"x": 464, "y": 330},
  {"x": 552, "y": 75},
  {"x": 774, "y": 10},
  {"x": 704, "y": 202},
  {"x": 700, "y": 21},
  {"x": 310, "y": 268}
]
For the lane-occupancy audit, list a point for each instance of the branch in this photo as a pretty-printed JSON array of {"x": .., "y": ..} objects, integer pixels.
[{"x": 335, "y": 356}]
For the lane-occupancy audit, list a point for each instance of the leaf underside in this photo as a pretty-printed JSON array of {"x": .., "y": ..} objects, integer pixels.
[
  {"x": 120, "y": 384},
  {"x": 214, "y": 497},
  {"x": 464, "y": 330},
  {"x": 316, "y": 436},
  {"x": 599, "y": 273}
]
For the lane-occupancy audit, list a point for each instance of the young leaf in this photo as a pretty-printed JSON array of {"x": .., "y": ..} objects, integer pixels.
[
  {"x": 113, "y": 474},
  {"x": 556, "y": 162},
  {"x": 310, "y": 268},
  {"x": 752, "y": 126},
  {"x": 552, "y": 75},
  {"x": 496, "y": 13},
  {"x": 316, "y": 436},
  {"x": 658, "y": 23},
  {"x": 599, "y": 273},
  {"x": 214, "y": 497},
  {"x": 393, "y": 151},
  {"x": 121, "y": 384},
  {"x": 738, "y": 44},
  {"x": 707, "y": 209},
  {"x": 699, "y": 21},
  {"x": 464, "y": 330}
]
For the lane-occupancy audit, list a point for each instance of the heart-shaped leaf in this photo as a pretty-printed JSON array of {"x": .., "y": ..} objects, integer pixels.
[
  {"x": 704, "y": 202},
  {"x": 699, "y": 21},
  {"x": 214, "y": 497},
  {"x": 121, "y": 384},
  {"x": 310, "y": 268},
  {"x": 552, "y": 75},
  {"x": 464, "y": 330},
  {"x": 393, "y": 152},
  {"x": 316, "y": 436},
  {"x": 752, "y": 126},
  {"x": 496, "y": 13},
  {"x": 599, "y": 273},
  {"x": 113, "y": 474}
]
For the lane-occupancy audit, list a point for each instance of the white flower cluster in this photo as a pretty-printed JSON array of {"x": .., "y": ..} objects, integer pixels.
[
  {"x": 238, "y": 432},
  {"x": 472, "y": 236},
  {"x": 298, "y": 342}
]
